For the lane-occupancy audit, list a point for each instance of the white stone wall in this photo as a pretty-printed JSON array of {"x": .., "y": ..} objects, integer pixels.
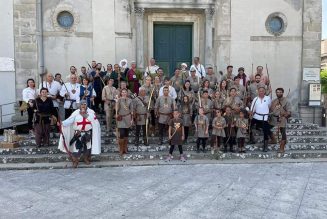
[
  {"x": 251, "y": 42},
  {"x": 65, "y": 48}
]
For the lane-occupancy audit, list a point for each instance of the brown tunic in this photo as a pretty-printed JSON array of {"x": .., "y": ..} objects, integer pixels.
[
  {"x": 221, "y": 123},
  {"x": 202, "y": 124},
  {"x": 140, "y": 109},
  {"x": 125, "y": 109},
  {"x": 164, "y": 108},
  {"x": 277, "y": 107},
  {"x": 186, "y": 110},
  {"x": 213, "y": 80},
  {"x": 229, "y": 130},
  {"x": 242, "y": 125},
  {"x": 176, "y": 130}
]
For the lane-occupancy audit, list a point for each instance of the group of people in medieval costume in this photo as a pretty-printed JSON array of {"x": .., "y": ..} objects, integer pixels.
[{"x": 221, "y": 110}]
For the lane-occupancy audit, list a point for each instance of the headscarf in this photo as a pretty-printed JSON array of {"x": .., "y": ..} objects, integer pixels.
[{"x": 123, "y": 66}]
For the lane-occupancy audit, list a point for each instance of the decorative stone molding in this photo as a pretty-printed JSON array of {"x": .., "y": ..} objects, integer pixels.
[
  {"x": 60, "y": 8},
  {"x": 139, "y": 11},
  {"x": 282, "y": 18},
  {"x": 210, "y": 12}
]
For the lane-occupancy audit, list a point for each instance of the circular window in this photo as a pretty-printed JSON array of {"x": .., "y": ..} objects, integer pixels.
[
  {"x": 65, "y": 19},
  {"x": 276, "y": 24}
]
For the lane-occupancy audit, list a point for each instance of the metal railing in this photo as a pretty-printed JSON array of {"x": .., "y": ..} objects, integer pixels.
[{"x": 8, "y": 114}]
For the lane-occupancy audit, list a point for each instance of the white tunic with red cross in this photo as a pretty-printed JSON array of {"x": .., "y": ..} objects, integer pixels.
[
  {"x": 76, "y": 122},
  {"x": 83, "y": 124}
]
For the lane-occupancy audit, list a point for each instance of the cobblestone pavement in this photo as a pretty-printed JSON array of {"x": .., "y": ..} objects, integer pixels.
[{"x": 286, "y": 190}]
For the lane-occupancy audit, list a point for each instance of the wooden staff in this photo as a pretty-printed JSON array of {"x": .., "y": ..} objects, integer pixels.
[
  {"x": 270, "y": 90},
  {"x": 147, "y": 118}
]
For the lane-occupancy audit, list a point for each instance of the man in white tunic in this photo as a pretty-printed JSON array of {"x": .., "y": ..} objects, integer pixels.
[
  {"x": 71, "y": 93},
  {"x": 260, "y": 112},
  {"x": 200, "y": 70}
]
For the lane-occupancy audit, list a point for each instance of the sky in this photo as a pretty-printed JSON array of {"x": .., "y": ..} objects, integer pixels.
[{"x": 324, "y": 19}]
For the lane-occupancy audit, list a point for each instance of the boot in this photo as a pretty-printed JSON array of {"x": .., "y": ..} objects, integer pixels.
[
  {"x": 282, "y": 146},
  {"x": 198, "y": 148},
  {"x": 251, "y": 138},
  {"x": 204, "y": 148},
  {"x": 136, "y": 141},
  {"x": 243, "y": 148},
  {"x": 86, "y": 157},
  {"x": 121, "y": 146},
  {"x": 272, "y": 139},
  {"x": 86, "y": 160},
  {"x": 75, "y": 161},
  {"x": 231, "y": 148},
  {"x": 265, "y": 146},
  {"x": 145, "y": 142},
  {"x": 239, "y": 144},
  {"x": 125, "y": 146}
]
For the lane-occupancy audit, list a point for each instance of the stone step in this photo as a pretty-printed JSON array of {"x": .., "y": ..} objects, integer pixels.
[
  {"x": 110, "y": 148},
  {"x": 192, "y": 140},
  {"x": 300, "y": 139},
  {"x": 133, "y": 156},
  {"x": 289, "y": 127}
]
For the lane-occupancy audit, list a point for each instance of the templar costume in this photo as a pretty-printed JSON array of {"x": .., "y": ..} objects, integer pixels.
[{"x": 82, "y": 134}]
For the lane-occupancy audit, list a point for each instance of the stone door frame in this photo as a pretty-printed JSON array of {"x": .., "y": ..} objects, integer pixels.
[{"x": 174, "y": 18}]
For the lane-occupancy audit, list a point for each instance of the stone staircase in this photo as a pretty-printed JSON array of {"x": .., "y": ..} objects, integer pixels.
[{"x": 305, "y": 141}]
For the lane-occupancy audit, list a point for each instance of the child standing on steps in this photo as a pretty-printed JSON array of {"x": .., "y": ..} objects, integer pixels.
[
  {"x": 176, "y": 135},
  {"x": 242, "y": 128},
  {"x": 218, "y": 132},
  {"x": 229, "y": 129},
  {"x": 201, "y": 123}
]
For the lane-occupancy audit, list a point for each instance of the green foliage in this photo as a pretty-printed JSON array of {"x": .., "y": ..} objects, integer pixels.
[{"x": 323, "y": 77}]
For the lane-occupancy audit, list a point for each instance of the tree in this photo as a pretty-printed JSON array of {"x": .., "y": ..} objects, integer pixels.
[{"x": 323, "y": 78}]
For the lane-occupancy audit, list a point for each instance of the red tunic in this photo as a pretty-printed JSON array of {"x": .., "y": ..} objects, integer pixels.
[{"x": 133, "y": 82}]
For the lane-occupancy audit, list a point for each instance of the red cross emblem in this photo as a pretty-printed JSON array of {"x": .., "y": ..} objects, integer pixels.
[{"x": 84, "y": 123}]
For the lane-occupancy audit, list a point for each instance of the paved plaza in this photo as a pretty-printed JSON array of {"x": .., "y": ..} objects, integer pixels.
[{"x": 277, "y": 190}]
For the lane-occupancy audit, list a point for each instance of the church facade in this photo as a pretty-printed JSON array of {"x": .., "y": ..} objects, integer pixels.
[{"x": 285, "y": 35}]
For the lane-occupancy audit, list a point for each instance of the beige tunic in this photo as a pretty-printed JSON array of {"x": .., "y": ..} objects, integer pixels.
[
  {"x": 140, "y": 109},
  {"x": 234, "y": 103},
  {"x": 189, "y": 93},
  {"x": 125, "y": 109},
  {"x": 186, "y": 111},
  {"x": 277, "y": 107},
  {"x": 164, "y": 108},
  {"x": 218, "y": 103},
  {"x": 177, "y": 83},
  {"x": 207, "y": 107},
  {"x": 109, "y": 93},
  {"x": 195, "y": 83},
  {"x": 218, "y": 125},
  {"x": 242, "y": 125},
  {"x": 213, "y": 80},
  {"x": 148, "y": 90},
  {"x": 202, "y": 124},
  {"x": 229, "y": 79},
  {"x": 240, "y": 91}
]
